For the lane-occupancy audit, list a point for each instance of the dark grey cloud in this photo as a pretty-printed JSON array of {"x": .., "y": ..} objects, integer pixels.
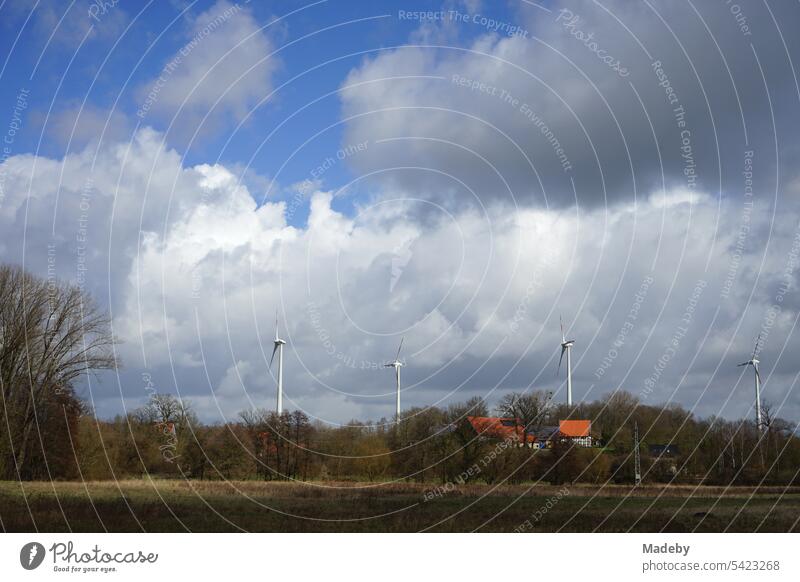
[{"x": 490, "y": 119}]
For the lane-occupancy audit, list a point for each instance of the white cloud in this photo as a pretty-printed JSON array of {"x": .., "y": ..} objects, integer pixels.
[
  {"x": 194, "y": 270},
  {"x": 67, "y": 25},
  {"x": 224, "y": 68}
]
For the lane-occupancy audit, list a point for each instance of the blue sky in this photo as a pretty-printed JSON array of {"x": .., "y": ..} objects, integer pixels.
[{"x": 102, "y": 61}]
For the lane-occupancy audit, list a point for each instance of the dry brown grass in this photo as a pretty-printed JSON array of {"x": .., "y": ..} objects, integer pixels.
[{"x": 172, "y": 505}]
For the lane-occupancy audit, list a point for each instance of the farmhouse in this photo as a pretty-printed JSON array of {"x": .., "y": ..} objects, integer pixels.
[
  {"x": 512, "y": 429},
  {"x": 546, "y": 436},
  {"x": 578, "y": 431},
  {"x": 504, "y": 429}
]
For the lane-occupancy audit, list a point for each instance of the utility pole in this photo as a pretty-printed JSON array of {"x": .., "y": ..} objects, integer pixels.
[{"x": 637, "y": 459}]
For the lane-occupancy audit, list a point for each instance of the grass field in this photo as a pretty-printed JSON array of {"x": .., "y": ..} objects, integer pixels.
[{"x": 176, "y": 506}]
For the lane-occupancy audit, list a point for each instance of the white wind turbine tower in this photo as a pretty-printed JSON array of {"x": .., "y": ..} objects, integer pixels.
[
  {"x": 566, "y": 346},
  {"x": 278, "y": 347},
  {"x": 396, "y": 365},
  {"x": 753, "y": 361}
]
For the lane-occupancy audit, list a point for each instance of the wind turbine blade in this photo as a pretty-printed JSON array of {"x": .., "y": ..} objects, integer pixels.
[
  {"x": 397, "y": 357},
  {"x": 562, "y": 329},
  {"x": 563, "y": 349},
  {"x": 274, "y": 349},
  {"x": 276, "y": 328},
  {"x": 743, "y": 364},
  {"x": 755, "y": 348},
  {"x": 757, "y": 374}
]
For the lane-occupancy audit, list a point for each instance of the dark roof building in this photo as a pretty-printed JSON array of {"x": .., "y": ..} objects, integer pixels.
[
  {"x": 547, "y": 433},
  {"x": 663, "y": 450}
]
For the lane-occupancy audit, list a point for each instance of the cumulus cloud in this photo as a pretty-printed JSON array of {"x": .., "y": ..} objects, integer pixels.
[
  {"x": 194, "y": 271},
  {"x": 222, "y": 70}
]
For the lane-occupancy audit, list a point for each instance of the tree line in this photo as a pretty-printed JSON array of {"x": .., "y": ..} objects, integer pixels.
[
  {"x": 432, "y": 445},
  {"x": 52, "y": 333}
]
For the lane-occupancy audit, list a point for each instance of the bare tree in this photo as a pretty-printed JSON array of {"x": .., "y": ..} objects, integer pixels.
[
  {"x": 165, "y": 409},
  {"x": 50, "y": 335},
  {"x": 528, "y": 408}
]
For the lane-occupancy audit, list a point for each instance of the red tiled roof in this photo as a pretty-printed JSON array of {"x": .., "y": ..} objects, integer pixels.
[
  {"x": 165, "y": 427},
  {"x": 575, "y": 428},
  {"x": 500, "y": 428}
]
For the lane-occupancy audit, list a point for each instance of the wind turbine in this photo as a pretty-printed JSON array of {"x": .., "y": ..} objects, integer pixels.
[
  {"x": 278, "y": 347},
  {"x": 566, "y": 346},
  {"x": 396, "y": 365},
  {"x": 753, "y": 361}
]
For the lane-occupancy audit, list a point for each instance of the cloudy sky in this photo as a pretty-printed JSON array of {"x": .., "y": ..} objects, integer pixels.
[{"x": 459, "y": 174}]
